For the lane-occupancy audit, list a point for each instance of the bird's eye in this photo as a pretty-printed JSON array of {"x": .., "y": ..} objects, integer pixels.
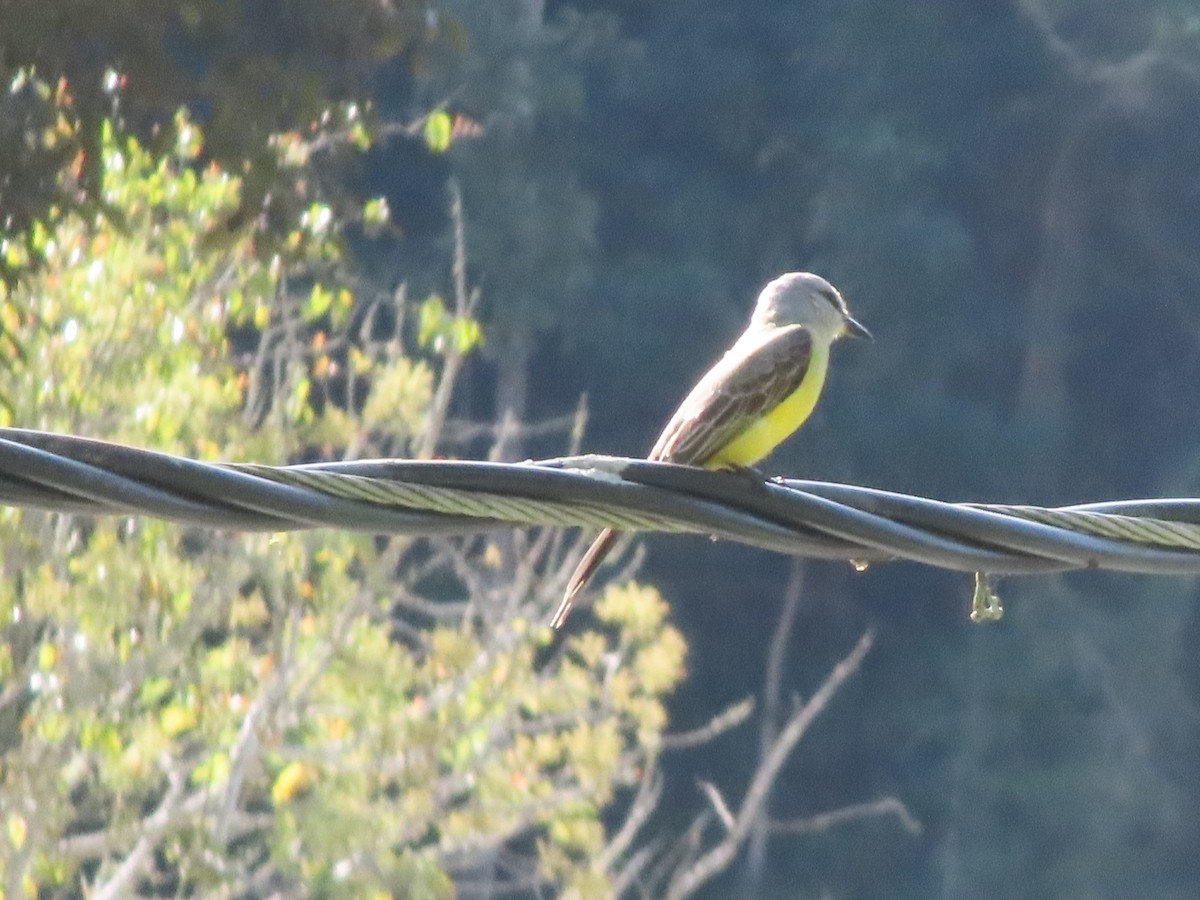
[{"x": 832, "y": 298}]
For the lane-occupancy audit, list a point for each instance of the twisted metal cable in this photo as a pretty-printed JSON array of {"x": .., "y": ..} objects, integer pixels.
[{"x": 809, "y": 518}]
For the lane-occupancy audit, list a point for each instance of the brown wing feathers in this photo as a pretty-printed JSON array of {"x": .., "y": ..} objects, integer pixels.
[{"x": 735, "y": 392}]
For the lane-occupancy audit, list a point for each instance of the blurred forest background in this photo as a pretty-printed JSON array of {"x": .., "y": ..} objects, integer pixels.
[{"x": 1007, "y": 193}]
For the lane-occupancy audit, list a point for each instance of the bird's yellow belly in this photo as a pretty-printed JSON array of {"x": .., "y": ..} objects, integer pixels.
[{"x": 764, "y": 435}]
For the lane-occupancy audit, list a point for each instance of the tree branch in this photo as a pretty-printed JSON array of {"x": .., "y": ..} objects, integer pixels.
[
  {"x": 729, "y": 718},
  {"x": 717, "y": 859},
  {"x": 827, "y": 820}
]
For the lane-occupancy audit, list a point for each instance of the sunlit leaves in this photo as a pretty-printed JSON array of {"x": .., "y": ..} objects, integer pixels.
[
  {"x": 293, "y": 779},
  {"x": 293, "y": 150},
  {"x": 267, "y": 677},
  {"x": 376, "y": 214},
  {"x": 320, "y": 299},
  {"x": 140, "y": 662},
  {"x": 443, "y": 332},
  {"x": 400, "y": 396},
  {"x": 18, "y": 830},
  {"x": 438, "y": 126}
]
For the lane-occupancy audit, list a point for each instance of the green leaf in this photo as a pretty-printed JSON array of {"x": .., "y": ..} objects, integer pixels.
[
  {"x": 319, "y": 301},
  {"x": 431, "y": 321},
  {"x": 438, "y": 127},
  {"x": 376, "y": 214}
]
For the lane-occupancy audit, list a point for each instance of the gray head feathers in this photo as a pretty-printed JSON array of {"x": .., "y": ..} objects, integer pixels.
[{"x": 802, "y": 298}]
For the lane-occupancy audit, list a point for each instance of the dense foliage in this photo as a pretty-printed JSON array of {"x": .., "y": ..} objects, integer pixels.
[
  {"x": 250, "y": 70},
  {"x": 210, "y": 714}
]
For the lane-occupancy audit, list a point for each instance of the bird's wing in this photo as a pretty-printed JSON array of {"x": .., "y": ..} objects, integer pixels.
[
  {"x": 755, "y": 376},
  {"x": 747, "y": 382}
]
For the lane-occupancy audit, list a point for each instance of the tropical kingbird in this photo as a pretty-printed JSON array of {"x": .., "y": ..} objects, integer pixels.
[{"x": 757, "y": 394}]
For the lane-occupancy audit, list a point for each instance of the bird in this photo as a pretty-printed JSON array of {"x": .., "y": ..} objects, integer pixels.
[{"x": 754, "y": 397}]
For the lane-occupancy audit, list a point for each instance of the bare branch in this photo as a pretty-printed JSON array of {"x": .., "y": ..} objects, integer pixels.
[
  {"x": 151, "y": 829},
  {"x": 729, "y": 718},
  {"x": 777, "y": 654},
  {"x": 827, "y": 820},
  {"x": 756, "y": 850},
  {"x": 466, "y": 302},
  {"x": 637, "y": 863},
  {"x": 682, "y": 856},
  {"x": 244, "y": 751},
  {"x": 438, "y": 610},
  {"x": 458, "y": 432},
  {"x": 684, "y": 883},
  {"x": 644, "y": 803},
  {"x": 718, "y": 804}
]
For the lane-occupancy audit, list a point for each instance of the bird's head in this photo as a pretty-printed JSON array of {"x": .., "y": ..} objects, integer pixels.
[{"x": 801, "y": 298}]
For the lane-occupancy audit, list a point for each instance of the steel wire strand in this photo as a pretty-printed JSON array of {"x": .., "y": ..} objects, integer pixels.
[
  {"x": 98, "y": 477},
  {"x": 1046, "y": 540},
  {"x": 819, "y": 519},
  {"x": 542, "y": 493},
  {"x": 974, "y": 537}
]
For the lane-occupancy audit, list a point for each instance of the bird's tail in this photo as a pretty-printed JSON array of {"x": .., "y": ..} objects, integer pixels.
[{"x": 583, "y": 572}]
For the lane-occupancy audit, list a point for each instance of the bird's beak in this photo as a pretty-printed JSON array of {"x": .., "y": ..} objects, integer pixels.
[{"x": 855, "y": 329}]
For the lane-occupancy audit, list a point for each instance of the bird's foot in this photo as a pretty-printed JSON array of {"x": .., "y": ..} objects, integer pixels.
[{"x": 756, "y": 477}]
